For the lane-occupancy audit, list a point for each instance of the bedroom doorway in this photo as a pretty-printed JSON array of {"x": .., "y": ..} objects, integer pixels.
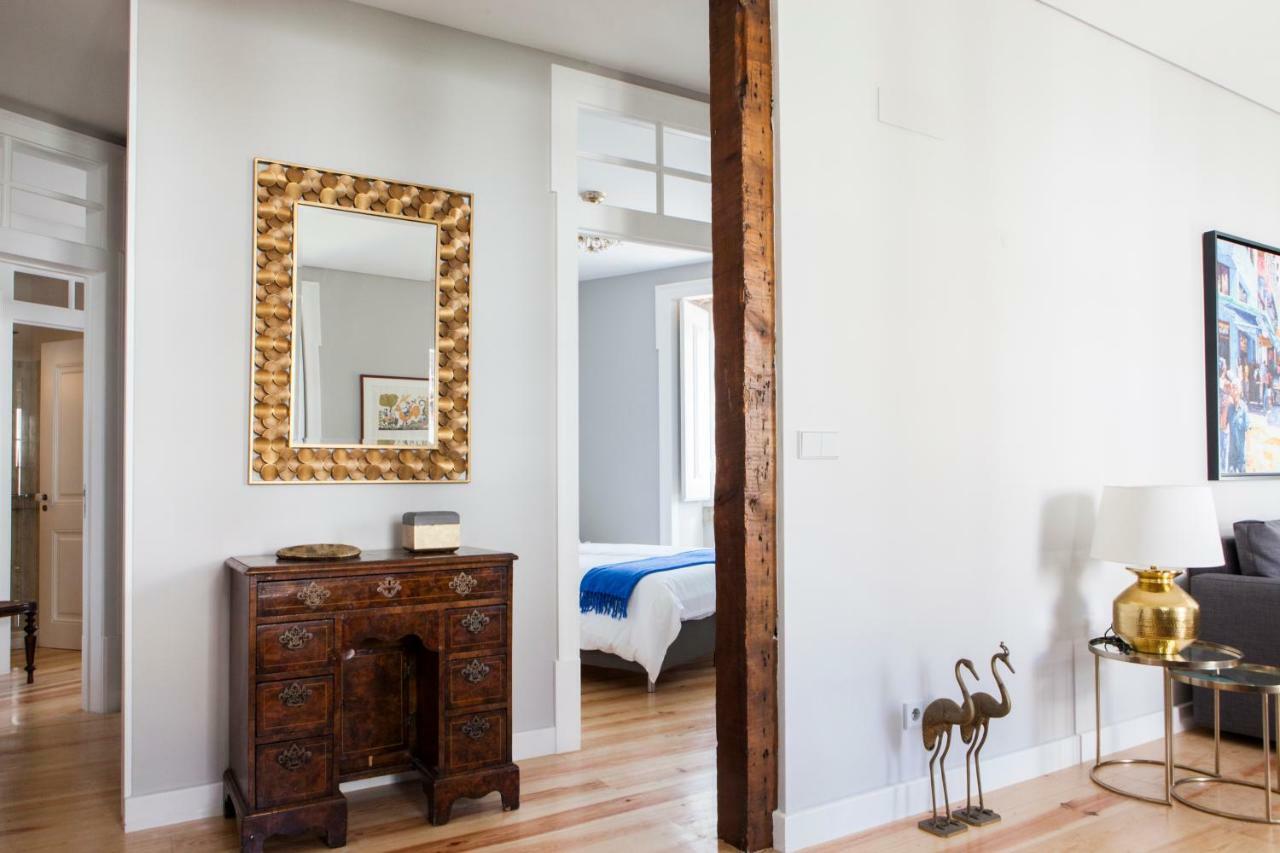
[
  {"x": 646, "y": 456},
  {"x": 631, "y": 174}
]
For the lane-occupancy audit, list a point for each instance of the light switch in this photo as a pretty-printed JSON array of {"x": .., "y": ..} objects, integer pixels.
[{"x": 819, "y": 445}]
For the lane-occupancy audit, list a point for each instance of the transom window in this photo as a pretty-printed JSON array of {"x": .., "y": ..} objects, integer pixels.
[{"x": 644, "y": 165}]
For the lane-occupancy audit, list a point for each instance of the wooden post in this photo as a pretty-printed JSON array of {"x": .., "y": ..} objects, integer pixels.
[{"x": 746, "y": 440}]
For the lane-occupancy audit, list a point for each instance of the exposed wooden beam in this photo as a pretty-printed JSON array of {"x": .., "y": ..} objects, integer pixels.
[{"x": 746, "y": 440}]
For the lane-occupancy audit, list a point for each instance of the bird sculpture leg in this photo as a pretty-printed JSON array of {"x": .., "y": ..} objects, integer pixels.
[
  {"x": 933, "y": 790},
  {"x": 977, "y": 766},
  {"x": 935, "y": 825},
  {"x": 968, "y": 795},
  {"x": 980, "y": 816},
  {"x": 942, "y": 769}
]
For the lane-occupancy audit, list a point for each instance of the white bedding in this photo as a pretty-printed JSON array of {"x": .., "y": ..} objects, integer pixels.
[{"x": 660, "y": 602}]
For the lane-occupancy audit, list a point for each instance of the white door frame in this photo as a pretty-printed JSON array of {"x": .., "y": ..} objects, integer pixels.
[
  {"x": 94, "y": 689},
  {"x": 100, "y": 264},
  {"x": 571, "y": 89}
]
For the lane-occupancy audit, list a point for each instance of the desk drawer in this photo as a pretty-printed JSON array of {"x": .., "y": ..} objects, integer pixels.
[
  {"x": 295, "y": 645},
  {"x": 475, "y": 740},
  {"x": 474, "y": 627},
  {"x": 476, "y": 681},
  {"x": 282, "y": 598},
  {"x": 293, "y": 771},
  {"x": 295, "y": 707}
]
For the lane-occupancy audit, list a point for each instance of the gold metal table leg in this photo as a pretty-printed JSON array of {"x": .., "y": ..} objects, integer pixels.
[
  {"x": 1167, "y": 761},
  {"x": 1241, "y": 783},
  {"x": 1097, "y": 710},
  {"x": 1266, "y": 751},
  {"x": 1168, "y": 736},
  {"x": 1217, "y": 732}
]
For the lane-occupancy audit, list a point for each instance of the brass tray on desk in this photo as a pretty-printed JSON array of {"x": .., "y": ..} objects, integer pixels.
[{"x": 322, "y": 551}]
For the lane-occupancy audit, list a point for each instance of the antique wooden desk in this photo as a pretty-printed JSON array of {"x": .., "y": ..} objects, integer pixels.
[{"x": 378, "y": 664}]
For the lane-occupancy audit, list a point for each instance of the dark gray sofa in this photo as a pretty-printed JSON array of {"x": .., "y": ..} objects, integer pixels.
[{"x": 1241, "y": 611}]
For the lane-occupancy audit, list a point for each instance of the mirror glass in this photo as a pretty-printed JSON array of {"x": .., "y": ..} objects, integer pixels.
[{"x": 364, "y": 334}]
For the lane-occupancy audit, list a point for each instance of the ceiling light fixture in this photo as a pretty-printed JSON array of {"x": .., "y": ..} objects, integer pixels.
[{"x": 596, "y": 243}]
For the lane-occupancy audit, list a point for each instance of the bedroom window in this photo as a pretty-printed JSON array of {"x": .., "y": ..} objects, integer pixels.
[{"x": 697, "y": 399}]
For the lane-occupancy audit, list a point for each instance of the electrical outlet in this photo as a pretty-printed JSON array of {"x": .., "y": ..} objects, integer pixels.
[{"x": 912, "y": 715}]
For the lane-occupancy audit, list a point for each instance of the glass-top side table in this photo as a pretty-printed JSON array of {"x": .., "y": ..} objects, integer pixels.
[
  {"x": 1245, "y": 678},
  {"x": 1197, "y": 657}
]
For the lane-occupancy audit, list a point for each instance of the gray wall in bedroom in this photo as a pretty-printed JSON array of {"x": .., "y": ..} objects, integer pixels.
[{"x": 618, "y": 404}]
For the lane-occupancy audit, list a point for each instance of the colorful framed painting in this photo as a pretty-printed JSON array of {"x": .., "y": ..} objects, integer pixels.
[
  {"x": 395, "y": 410},
  {"x": 1242, "y": 356}
]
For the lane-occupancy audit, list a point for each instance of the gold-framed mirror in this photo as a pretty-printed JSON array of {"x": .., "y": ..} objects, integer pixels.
[{"x": 361, "y": 329}]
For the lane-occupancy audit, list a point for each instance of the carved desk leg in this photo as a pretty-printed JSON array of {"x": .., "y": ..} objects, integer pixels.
[{"x": 442, "y": 791}]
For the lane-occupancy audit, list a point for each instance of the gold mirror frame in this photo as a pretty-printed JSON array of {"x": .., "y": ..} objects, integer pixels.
[{"x": 272, "y": 459}]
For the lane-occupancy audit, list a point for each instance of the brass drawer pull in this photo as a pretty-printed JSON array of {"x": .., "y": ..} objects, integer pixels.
[
  {"x": 463, "y": 583},
  {"x": 294, "y": 638},
  {"x": 295, "y": 757},
  {"x": 295, "y": 695},
  {"x": 475, "y": 672},
  {"x": 475, "y": 621},
  {"x": 390, "y": 587},
  {"x": 313, "y": 595},
  {"x": 475, "y": 728}
]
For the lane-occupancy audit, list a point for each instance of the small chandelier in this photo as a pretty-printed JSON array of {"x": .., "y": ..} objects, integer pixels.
[{"x": 595, "y": 243}]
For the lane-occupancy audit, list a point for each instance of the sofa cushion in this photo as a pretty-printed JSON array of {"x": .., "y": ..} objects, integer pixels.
[{"x": 1258, "y": 546}]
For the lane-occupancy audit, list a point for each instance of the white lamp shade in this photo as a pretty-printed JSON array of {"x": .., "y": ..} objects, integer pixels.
[{"x": 1172, "y": 527}]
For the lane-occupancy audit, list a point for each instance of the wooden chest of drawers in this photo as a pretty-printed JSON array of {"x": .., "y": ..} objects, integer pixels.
[{"x": 379, "y": 664}]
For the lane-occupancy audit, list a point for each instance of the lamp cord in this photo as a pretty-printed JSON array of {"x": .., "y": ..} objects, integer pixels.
[{"x": 1111, "y": 638}]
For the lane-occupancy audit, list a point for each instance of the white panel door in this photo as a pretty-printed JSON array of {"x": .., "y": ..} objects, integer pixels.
[{"x": 62, "y": 493}]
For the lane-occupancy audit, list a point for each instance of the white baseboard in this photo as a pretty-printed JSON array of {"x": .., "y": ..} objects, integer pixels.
[
  {"x": 534, "y": 743},
  {"x": 864, "y": 811},
  {"x": 148, "y": 811}
]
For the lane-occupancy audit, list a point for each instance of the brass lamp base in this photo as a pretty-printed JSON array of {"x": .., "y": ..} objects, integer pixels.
[{"x": 1155, "y": 615}]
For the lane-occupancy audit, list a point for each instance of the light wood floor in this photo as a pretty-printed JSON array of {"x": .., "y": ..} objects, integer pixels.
[{"x": 644, "y": 781}]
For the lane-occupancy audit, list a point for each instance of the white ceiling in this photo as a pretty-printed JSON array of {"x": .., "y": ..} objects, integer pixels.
[
  {"x": 627, "y": 258},
  {"x": 357, "y": 242},
  {"x": 1231, "y": 42},
  {"x": 67, "y": 62},
  {"x": 662, "y": 40}
]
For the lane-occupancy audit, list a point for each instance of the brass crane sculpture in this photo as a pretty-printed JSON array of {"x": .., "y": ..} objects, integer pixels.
[
  {"x": 975, "y": 734},
  {"x": 939, "y": 717}
]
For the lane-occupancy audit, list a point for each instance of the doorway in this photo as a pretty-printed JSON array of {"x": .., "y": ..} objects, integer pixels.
[
  {"x": 43, "y": 387},
  {"x": 47, "y": 514},
  {"x": 631, "y": 178}
]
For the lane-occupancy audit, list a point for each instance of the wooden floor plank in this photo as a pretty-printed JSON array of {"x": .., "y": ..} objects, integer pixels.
[{"x": 644, "y": 781}]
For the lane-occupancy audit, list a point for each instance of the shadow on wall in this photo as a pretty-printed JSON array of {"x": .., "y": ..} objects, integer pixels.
[{"x": 1066, "y": 532}]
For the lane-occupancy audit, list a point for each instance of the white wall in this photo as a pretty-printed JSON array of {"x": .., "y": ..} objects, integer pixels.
[
  {"x": 999, "y": 314},
  {"x": 340, "y": 85},
  {"x": 618, "y": 406}
]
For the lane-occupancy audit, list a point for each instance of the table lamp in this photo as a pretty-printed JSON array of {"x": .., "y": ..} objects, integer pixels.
[{"x": 1156, "y": 532}]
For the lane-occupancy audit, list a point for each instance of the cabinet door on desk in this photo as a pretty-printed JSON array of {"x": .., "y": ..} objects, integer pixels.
[{"x": 377, "y": 700}]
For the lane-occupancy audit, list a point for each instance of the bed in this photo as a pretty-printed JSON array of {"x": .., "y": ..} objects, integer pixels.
[{"x": 670, "y": 619}]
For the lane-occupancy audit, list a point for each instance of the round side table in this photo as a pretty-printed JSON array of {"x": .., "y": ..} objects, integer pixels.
[
  {"x": 1197, "y": 657},
  {"x": 1245, "y": 678}
]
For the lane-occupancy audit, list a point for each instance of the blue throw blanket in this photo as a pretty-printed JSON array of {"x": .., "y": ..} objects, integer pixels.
[{"x": 607, "y": 589}]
